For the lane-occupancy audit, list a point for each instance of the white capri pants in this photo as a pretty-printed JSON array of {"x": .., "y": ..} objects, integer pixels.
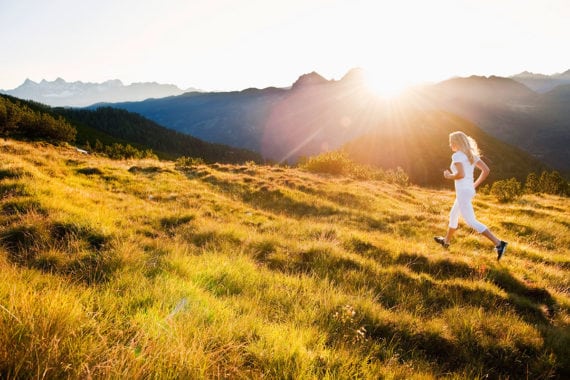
[{"x": 463, "y": 205}]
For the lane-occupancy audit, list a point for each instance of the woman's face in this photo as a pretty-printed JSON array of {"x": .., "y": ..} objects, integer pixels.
[{"x": 452, "y": 146}]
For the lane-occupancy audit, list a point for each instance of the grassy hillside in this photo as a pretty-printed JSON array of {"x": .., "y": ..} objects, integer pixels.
[{"x": 140, "y": 269}]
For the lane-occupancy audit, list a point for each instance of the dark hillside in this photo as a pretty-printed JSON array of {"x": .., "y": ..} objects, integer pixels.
[
  {"x": 419, "y": 144},
  {"x": 131, "y": 127},
  {"x": 35, "y": 121}
]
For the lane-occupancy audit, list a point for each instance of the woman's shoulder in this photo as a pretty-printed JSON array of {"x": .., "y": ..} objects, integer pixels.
[{"x": 458, "y": 156}]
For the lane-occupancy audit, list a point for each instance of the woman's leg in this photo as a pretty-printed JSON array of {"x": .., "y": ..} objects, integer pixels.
[
  {"x": 453, "y": 221},
  {"x": 466, "y": 207},
  {"x": 489, "y": 235},
  {"x": 449, "y": 235},
  {"x": 454, "y": 215}
]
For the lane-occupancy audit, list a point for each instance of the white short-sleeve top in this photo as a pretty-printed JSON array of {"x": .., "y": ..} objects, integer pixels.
[{"x": 468, "y": 168}]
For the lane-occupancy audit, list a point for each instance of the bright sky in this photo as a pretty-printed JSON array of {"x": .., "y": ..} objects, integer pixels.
[{"x": 235, "y": 44}]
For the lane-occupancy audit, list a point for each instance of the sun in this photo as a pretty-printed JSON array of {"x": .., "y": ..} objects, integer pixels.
[{"x": 386, "y": 85}]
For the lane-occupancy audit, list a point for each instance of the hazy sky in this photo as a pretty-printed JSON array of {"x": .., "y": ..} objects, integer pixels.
[{"x": 230, "y": 45}]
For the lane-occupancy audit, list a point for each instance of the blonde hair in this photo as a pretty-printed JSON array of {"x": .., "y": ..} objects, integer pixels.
[{"x": 465, "y": 144}]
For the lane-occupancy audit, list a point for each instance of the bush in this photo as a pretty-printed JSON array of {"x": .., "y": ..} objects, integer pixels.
[
  {"x": 548, "y": 183},
  {"x": 398, "y": 177},
  {"x": 338, "y": 163},
  {"x": 118, "y": 151},
  {"x": 188, "y": 162},
  {"x": 484, "y": 190},
  {"x": 553, "y": 183},
  {"x": 506, "y": 190},
  {"x": 335, "y": 163},
  {"x": 532, "y": 184}
]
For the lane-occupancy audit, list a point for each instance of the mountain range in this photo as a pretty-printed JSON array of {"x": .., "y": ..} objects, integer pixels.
[
  {"x": 312, "y": 116},
  {"x": 59, "y": 93},
  {"x": 542, "y": 83},
  {"x": 316, "y": 115}
]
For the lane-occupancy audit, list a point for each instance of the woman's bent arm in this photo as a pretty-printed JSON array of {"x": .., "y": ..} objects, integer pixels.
[
  {"x": 459, "y": 173},
  {"x": 484, "y": 173}
]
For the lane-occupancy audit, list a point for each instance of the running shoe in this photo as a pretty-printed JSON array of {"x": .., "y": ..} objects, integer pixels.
[
  {"x": 441, "y": 240},
  {"x": 501, "y": 248}
]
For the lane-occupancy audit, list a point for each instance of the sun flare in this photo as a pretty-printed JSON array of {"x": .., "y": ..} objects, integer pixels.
[{"x": 385, "y": 85}]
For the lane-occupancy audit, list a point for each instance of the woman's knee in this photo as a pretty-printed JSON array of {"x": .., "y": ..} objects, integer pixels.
[{"x": 477, "y": 226}]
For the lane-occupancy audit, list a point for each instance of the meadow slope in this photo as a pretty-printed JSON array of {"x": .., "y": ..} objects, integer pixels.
[{"x": 141, "y": 269}]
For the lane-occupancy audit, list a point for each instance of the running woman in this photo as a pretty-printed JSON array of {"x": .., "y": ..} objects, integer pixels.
[{"x": 463, "y": 162}]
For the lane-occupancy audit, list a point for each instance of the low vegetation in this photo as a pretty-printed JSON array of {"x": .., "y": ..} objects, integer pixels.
[
  {"x": 339, "y": 164},
  {"x": 148, "y": 269},
  {"x": 511, "y": 189}
]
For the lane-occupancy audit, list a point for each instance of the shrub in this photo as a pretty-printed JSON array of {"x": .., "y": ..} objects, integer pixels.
[
  {"x": 506, "y": 190},
  {"x": 338, "y": 163},
  {"x": 335, "y": 163},
  {"x": 553, "y": 183},
  {"x": 532, "y": 184},
  {"x": 484, "y": 190},
  {"x": 118, "y": 151},
  {"x": 398, "y": 177},
  {"x": 188, "y": 162}
]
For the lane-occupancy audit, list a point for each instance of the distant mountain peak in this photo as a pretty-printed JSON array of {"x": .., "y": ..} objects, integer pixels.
[
  {"x": 58, "y": 81},
  {"x": 78, "y": 94},
  {"x": 492, "y": 88},
  {"x": 542, "y": 83},
  {"x": 311, "y": 79},
  {"x": 528, "y": 74},
  {"x": 113, "y": 82},
  {"x": 355, "y": 75},
  {"x": 28, "y": 82}
]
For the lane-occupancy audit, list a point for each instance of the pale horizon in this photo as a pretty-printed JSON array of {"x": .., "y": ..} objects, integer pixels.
[{"x": 228, "y": 45}]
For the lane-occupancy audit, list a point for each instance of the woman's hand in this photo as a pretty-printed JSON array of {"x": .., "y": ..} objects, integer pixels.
[{"x": 459, "y": 173}]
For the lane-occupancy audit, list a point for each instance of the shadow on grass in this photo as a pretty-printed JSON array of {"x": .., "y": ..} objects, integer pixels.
[
  {"x": 269, "y": 198},
  {"x": 531, "y": 234},
  {"x": 314, "y": 261},
  {"x": 537, "y": 306},
  {"x": 440, "y": 269},
  {"x": 527, "y": 299},
  {"x": 90, "y": 171},
  {"x": 148, "y": 170},
  {"x": 13, "y": 173},
  {"x": 23, "y": 206},
  {"x": 10, "y": 190},
  {"x": 367, "y": 249},
  {"x": 465, "y": 354},
  {"x": 61, "y": 248}
]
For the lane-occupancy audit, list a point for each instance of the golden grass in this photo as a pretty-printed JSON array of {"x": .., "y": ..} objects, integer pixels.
[{"x": 135, "y": 269}]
